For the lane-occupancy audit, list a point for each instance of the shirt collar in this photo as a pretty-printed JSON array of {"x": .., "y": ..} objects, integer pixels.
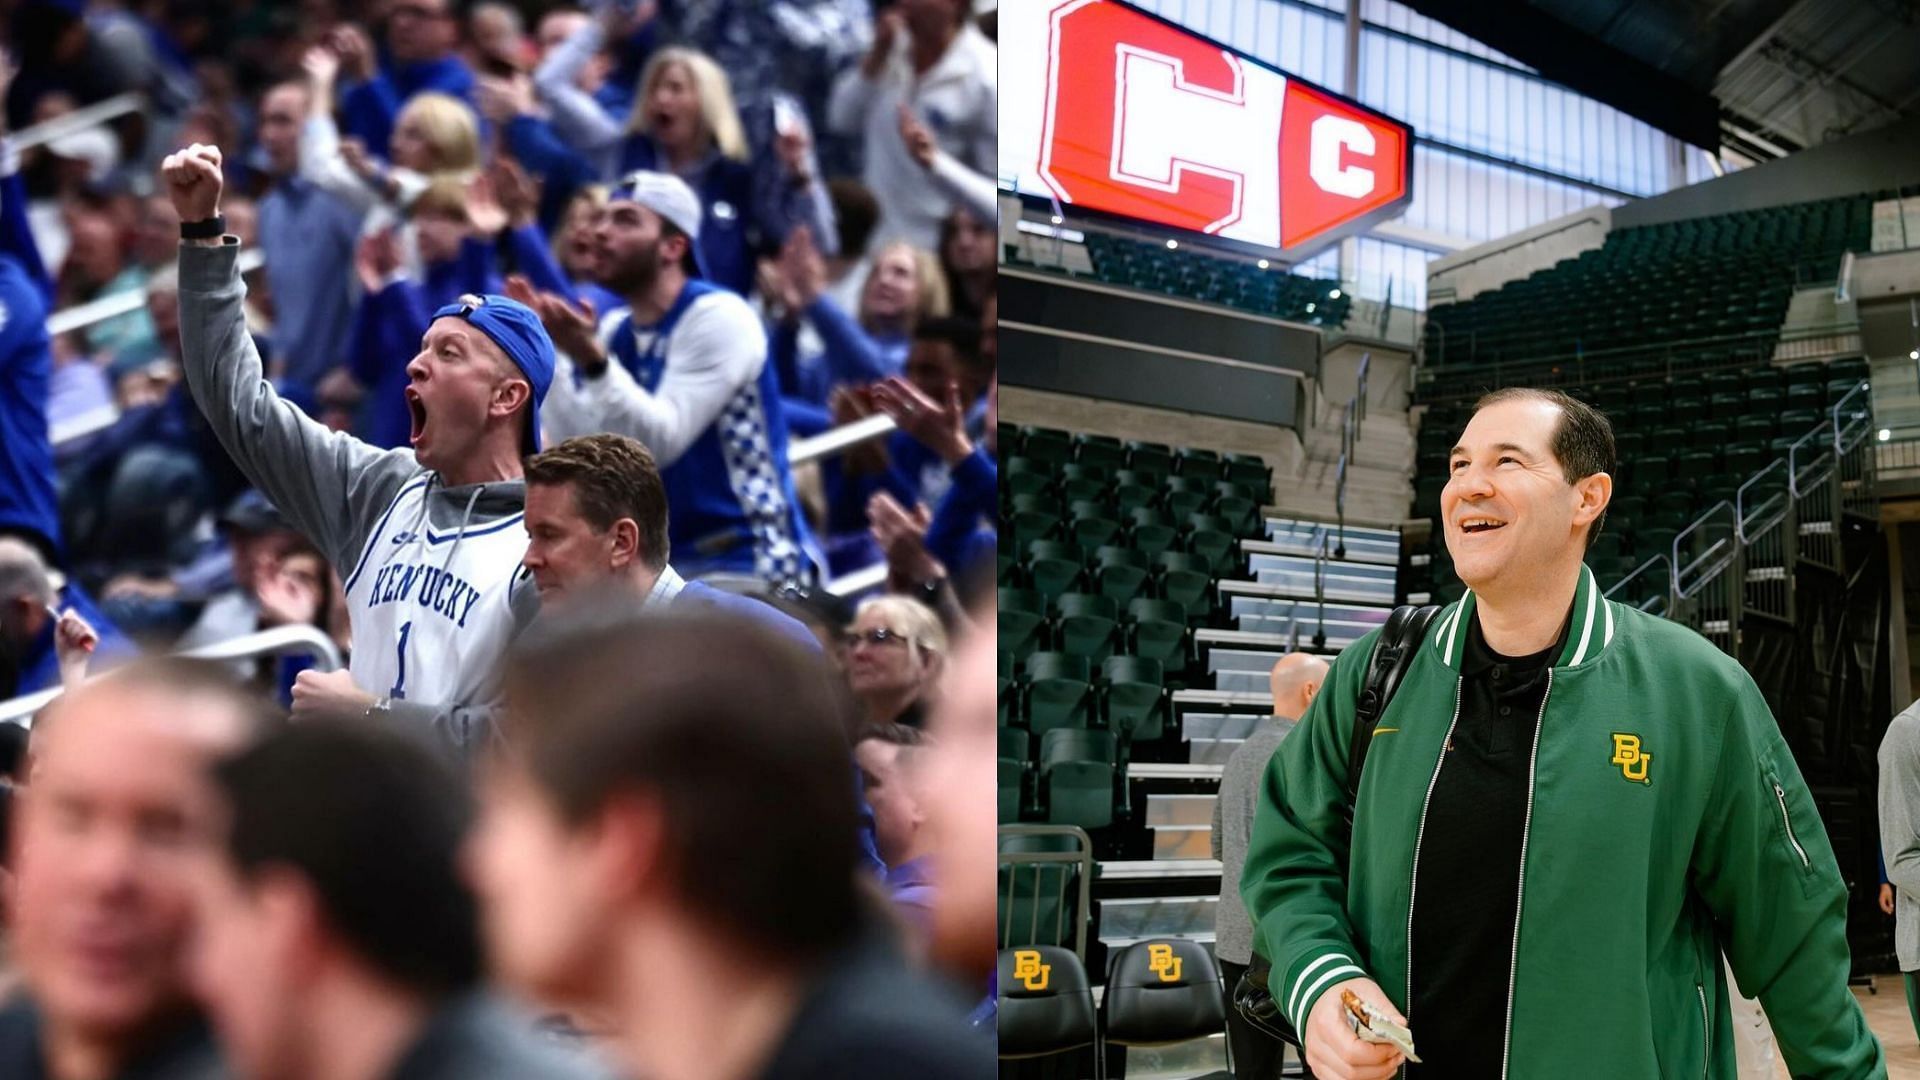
[
  {"x": 1588, "y": 632},
  {"x": 665, "y": 588}
]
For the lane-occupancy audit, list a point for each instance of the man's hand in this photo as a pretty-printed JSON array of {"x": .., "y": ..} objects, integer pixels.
[
  {"x": 332, "y": 694},
  {"x": 1886, "y": 898},
  {"x": 193, "y": 180},
  {"x": 322, "y": 67},
  {"x": 1333, "y": 1051},
  {"x": 74, "y": 640},
  {"x": 518, "y": 193},
  {"x": 939, "y": 426},
  {"x": 902, "y": 535},
  {"x": 503, "y": 99},
  {"x": 574, "y": 328},
  {"x": 803, "y": 266},
  {"x": 355, "y": 50},
  {"x": 917, "y": 136},
  {"x": 377, "y": 259},
  {"x": 286, "y": 600},
  {"x": 484, "y": 211}
]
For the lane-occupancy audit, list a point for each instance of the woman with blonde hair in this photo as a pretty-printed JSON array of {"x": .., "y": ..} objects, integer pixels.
[
  {"x": 904, "y": 286},
  {"x": 683, "y": 122},
  {"x": 435, "y": 136},
  {"x": 893, "y": 655}
]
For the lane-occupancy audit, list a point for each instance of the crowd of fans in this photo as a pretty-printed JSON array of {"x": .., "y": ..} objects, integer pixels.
[{"x": 725, "y": 227}]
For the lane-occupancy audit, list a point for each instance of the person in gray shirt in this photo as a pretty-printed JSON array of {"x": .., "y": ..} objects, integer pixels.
[
  {"x": 1900, "y": 843},
  {"x": 427, "y": 538},
  {"x": 336, "y": 938},
  {"x": 1295, "y": 680}
]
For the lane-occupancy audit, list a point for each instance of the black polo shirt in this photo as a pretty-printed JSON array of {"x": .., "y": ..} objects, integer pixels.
[{"x": 1467, "y": 880}]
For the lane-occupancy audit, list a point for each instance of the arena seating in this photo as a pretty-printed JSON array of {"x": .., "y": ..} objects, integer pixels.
[
  {"x": 1655, "y": 288},
  {"x": 1194, "y": 275}
]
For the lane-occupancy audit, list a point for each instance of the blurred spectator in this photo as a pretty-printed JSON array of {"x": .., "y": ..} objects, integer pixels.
[
  {"x": 857, "y": 214},
  {"x": 727, "y": 818},
  {"x": 64, "y": 47},
  {"x": 967, "y": 190},
  {"x": 574, "y": 250},
  {"x": 903, "y": 286},
  {"x": 894, "y": 652},
  {"x": 684, "y": 122},
  {"x": 967, "y": 258},
  {"x": 31, "y": 618},
  {"x": 959, "y": 534},
  {"x": 959, "y": 782},
  {"x": 889, "y": 757},
  {"x": 421, "y": 56},
  {"x": 258, "y": 540},
  {"x": 930, "y": 63},
  {"x": 497, "y": 39},
  {"x": 307, "y": 236},
  {"x": 597, "y": 516},
  {"x": 434, "y": 134},
  {"x": 596, "y": 75},
  {"x": 96, "y": 268},
  {"x": 684, "y": 372},
  {"x": 305, "y": 976},
  {"x": 109, "y": 834}
]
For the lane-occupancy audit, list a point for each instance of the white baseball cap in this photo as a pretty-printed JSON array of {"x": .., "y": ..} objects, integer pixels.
[{"x": 671, "y": 198}]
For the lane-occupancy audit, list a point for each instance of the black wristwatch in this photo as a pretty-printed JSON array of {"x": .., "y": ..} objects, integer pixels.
[{"x": 212, "y": 228}]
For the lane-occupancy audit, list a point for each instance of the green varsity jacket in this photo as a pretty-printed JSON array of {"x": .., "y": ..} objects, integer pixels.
[{"x": 1666, "y": 822}]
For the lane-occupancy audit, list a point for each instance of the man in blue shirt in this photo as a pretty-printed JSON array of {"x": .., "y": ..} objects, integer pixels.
[
  {"x": 597, "y": 517},
  {"x": 423, "y": 37},
  {"x": 308, "y": 237}
]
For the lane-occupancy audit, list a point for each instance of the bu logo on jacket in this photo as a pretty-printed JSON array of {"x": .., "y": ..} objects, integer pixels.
[{"x": 1627, "y": 755}]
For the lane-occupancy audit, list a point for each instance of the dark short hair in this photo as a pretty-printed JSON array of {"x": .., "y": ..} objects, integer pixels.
[
  {"x": 1582, "y": 440},
  {"x": 856, "y": 211},
  {"x": 612, "y": 477},
  {"x": 734, "y": 730},
  {"x": 962, "y": 334},
  {"x": 668, "y": 230},
  {"x": 373, "y": 820}
]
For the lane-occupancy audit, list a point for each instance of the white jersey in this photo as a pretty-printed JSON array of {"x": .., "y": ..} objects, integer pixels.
[{"x": 430, "y": 610}]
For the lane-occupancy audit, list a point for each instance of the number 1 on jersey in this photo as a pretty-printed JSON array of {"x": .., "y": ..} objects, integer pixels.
[{"x": 399, "y": 691}]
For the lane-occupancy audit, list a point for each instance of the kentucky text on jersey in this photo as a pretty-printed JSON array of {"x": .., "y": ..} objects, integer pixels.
[{"x": 438, "y": 591}]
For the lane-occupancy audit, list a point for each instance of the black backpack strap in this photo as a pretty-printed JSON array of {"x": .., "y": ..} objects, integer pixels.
[{"x": 1393, "y": 653}]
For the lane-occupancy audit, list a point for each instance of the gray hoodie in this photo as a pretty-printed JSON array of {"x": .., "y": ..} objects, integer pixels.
[
  {"x": 332, "y": 487},
  {"x": 1900, "y": 830}
]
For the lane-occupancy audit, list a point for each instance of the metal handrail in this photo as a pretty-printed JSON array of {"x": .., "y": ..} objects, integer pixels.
[
  {"x": 1782, "y": 496},
  {"x": 1645, "y": 568},
  {"x": 1864, "y": 386},
  {"x": 1083, "y": 859},
  {"x": 1709, "y": 555},
  {"x": 280, "y": 641},
  {"x": 81, "y": 316},
  {"x": 828, "y": 443},
  {"x": 78, "y": 120}
]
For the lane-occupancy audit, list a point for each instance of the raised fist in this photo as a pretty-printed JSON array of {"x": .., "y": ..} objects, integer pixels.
[{"x": 192, "y": 179}]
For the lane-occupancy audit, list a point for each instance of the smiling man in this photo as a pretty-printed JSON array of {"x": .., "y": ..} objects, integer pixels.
[
  {"x": 425, "y": 537},
  {"x": 1569, "y": 808}
]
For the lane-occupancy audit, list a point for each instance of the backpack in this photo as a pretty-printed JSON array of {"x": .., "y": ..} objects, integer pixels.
[{"x": 1393, "y": 653}]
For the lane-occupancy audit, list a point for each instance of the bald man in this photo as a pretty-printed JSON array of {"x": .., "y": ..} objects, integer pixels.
[{"x": 1294, "y": 681}]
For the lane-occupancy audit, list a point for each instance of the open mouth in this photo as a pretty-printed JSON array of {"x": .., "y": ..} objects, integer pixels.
[
  {"x": 417, "y": 408},
  {"x": 1476, "y": 525}
]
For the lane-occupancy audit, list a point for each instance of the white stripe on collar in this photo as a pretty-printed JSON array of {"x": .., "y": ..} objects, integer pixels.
[
  {"x": 1453, "y": 628},
  {"x": 1586, "y": 631},
  {"x": 1608, "y": 608}
]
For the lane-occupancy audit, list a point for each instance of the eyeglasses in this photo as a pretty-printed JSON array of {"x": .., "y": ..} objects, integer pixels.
[{"x": 877, "y": 636}]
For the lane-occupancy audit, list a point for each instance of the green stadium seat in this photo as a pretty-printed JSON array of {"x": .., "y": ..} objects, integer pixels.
[
  {"x": 1219, "y": 546},
  {"x": 1200, "y": 464},
  {"x": 1024, "y": 476},
  {"x": 1091, "y": 526},
  {"x": 1807, "y": 395},
  {"x": 1695, "y": 465},
  {"x": 1252, "y": 472},
  {"x": 1726, "y": 406},
  {"x": 1059, "y": 692},
  {"x": 1159, "y": 631},
  {"x": 1053, "y": 567},
  {"x": 1015, "y": 743},
  {"x": 1150, "y": 458},
  {"x": 1013, "y": 775},
  {"x": 1022, "y": 616},
  {"x": 1743, "y": 460},
  {"x": 1102, "y": 450},
  {"x": 1039, "y": 503},
  {"x": 1048, "y": 447},
  {"x": 1132, "y": 488},
  {"x": 1121, "y": 572},
  {"x": 1088, "y": 625},
  {"x": 1708, "y": 435},
  {"x": 1241, "y": 515},
  {"x": 1757, "y": 428},
  {"x": 1077, "y": 772},
  {"x": 1186, "y": 578},
  {"x": 1763, "y": 400},
  {"x": 1184, "y": 495},
  {"x": 1135, "y": 694}
]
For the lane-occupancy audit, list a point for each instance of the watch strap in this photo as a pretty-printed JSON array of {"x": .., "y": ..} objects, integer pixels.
[{"x": 210, "y": 229}]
